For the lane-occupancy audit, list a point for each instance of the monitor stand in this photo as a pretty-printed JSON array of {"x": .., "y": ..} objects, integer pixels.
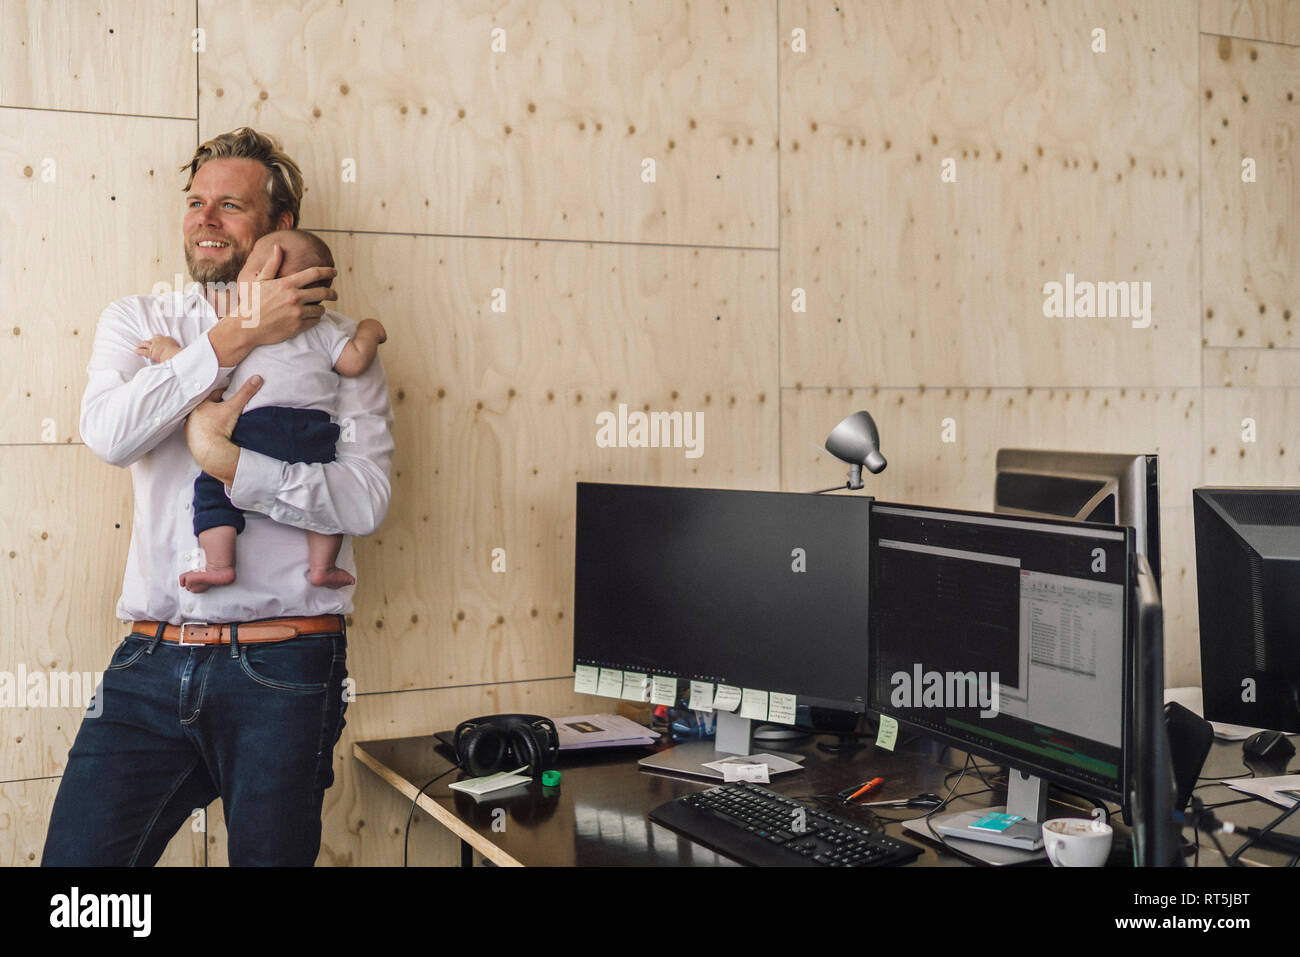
[
  {"x": 1026, "y": 796},
  {"x": 733, "y": 734}
]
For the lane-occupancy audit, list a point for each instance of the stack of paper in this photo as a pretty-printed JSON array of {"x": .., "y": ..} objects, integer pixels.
[
  {"x": 1281, "y": 789},
  {"x": 601, "y": 731},
  {"x": 752, "y": 767}
]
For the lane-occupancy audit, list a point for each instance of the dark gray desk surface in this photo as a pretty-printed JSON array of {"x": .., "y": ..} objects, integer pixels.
[{"x": 598, "y": 814}]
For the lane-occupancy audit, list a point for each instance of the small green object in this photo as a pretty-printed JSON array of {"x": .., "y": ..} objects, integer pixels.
[{"x": 550, "y": 778}]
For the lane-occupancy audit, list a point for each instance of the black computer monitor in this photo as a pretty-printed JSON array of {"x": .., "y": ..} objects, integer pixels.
[
  {"x": 747, "y": 589},
  {"x": 1152, "y": 791},
  {"x": 1248, "y": 586},
  {"x": 1101, "y": 487},
  {"x": 963, "y": 603}
]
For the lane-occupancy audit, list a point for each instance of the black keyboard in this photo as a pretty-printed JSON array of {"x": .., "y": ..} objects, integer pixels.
[{"x": 760, "y": 827}]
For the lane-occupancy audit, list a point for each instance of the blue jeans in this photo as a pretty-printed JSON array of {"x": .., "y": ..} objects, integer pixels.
[{"x": 255, "y": 724}]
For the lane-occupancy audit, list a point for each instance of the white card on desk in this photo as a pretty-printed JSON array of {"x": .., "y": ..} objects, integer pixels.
[{"x": 489, "y": 783}]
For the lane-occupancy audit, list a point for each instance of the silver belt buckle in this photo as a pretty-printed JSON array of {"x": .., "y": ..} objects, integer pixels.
[{"x": 191, "y": 644}]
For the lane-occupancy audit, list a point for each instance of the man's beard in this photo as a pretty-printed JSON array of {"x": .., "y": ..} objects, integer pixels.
[{"x": 210, "y": 271}]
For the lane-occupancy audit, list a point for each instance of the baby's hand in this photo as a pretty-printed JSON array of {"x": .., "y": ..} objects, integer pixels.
[
  {"x": 372, "y": 327},
  {"x": 158, "y": 349}
]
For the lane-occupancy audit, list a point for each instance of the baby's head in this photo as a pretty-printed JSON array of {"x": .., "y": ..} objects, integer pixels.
[{"x": 301, "y": 249}]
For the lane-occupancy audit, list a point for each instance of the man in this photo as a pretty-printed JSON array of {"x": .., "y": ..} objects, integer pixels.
[{"x": 237, "y": 692}]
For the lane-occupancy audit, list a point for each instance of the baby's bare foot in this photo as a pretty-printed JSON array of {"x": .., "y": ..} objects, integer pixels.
[
  {"x": 200, "y": 581},
  {"x": 331, "y": 577}
]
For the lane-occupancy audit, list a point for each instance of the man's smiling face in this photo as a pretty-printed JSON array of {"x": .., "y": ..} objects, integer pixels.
[{"x": 227, "y": 209}]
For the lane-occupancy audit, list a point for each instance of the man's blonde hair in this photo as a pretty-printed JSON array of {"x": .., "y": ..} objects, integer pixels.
[{"x": 283, "y": 177}]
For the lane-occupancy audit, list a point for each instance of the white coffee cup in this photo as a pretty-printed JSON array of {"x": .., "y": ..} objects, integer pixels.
[{"x": 1076, "y": 842}]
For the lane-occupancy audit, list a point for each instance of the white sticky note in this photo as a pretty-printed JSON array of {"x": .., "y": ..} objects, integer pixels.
[
  {"x": 611, "y": 683},
  {"x": 701, "y": 696},
  {"x": 586, "y": 679},
  {"x": 781, "y": 708},
  {"x": 726, "y": 698},
  {"x": 636, "y": 686},
  {"x": 888, "y": 733},
  {"x": 754, "y": 704},
  {"x": 745, "y": 772},
  {"x": 663, "y": 691}
]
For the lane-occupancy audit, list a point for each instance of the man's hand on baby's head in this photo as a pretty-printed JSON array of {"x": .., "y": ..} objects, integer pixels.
[
  {"x": 158, "y": 349},
  {"x": 290, "y": 304}
]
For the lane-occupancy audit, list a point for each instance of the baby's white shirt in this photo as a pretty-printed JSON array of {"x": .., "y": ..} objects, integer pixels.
[{"x": 299, "y": 372}]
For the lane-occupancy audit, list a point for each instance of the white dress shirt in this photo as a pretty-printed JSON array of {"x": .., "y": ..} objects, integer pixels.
[{"x": 133, "y": 415}]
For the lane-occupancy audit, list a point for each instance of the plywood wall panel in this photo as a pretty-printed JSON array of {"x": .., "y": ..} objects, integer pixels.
[
  {"x": 92, "y": 212},
  {"x": 1277, "y": 20},
  {"x": 24, "y": 817},
  {"x": 1252, "y": 436},
  {"x": 1179, "y": 597},
  {"x": 112, "y": 56},
  {"x": 1250, "y": 110},
  {"x": 64, "y": 531},
  {"x": 546, "y": 139},
  {"x": 926, "y": 470},
  {"x": 496, "y": 420},
  {"x": 1261, "y": 368},
  {"x": 1066, "y": 161}
]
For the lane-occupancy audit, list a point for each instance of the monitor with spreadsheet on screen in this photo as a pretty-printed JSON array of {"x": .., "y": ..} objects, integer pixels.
[{"x": 1008, "y": 637}]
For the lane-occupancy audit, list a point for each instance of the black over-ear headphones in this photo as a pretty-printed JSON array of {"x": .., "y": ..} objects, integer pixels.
[{"x": 503, "y": 742}]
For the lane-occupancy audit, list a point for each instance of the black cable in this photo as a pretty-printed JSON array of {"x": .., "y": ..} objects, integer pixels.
[
  {"x": 981, "y": 768},
  {"x": 917, "y": 817},
  {"x": 1198, "y": 812},
  {"x": 939, "y": 837},
  {"x": 1227, "y": 777},
  {"x": 406, "y": 841},
  {"x": 1266, "y": 829}
]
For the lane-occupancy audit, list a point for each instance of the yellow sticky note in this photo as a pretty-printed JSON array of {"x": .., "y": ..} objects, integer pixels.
[
  {"x": 888, "y": 733},
  {"x": 636, "y": 686},
  {"x": 663, "y": 691},
  {"x": 726, "y": 698},
  {"x": 753, "y": 704},
  {"x": 701, "y": 696},
  {"x": 610, "y": 683},
  {"x": 781, "y": 708}
]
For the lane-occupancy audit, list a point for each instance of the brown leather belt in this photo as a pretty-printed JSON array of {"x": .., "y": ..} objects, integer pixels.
[{"x": 252, "y": 632}]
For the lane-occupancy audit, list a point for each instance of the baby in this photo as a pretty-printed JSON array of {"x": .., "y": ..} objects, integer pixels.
[{"x": 289, "y": 416}]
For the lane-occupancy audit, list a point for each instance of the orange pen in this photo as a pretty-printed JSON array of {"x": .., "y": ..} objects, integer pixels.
[{"x": 866, "y": 788}]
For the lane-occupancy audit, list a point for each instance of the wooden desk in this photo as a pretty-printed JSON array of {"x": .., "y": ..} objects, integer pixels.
[{"x": 598, "y": 814}]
